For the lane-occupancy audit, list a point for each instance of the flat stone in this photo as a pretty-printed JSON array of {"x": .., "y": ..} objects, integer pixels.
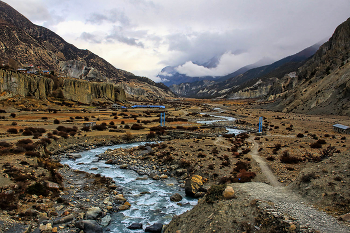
[{"x": 164, "y": 176}]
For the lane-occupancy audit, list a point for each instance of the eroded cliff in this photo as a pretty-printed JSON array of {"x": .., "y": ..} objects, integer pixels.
[{"x": 40, "y": 87}]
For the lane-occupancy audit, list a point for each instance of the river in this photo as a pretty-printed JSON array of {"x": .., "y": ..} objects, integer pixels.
[
  {"x": 149, "y": 199},
  {"x": 153, "y": 206}
]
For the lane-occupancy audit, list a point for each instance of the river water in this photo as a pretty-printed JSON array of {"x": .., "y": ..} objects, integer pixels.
[
  {"x": 149, "y": 199},
  {"x": 153, "y": 206}
]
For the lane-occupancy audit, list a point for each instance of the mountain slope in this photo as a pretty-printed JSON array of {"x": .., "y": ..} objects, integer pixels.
[
  {"x": 28, "y": 43},
  {"x": 323, "y": 83},
  {"x": 233, "y": 83}
]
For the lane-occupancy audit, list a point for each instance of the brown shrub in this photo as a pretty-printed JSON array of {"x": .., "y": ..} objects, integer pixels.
[
  {"x": 12, "y": 131},
  {"x": 287, "y": 158}
]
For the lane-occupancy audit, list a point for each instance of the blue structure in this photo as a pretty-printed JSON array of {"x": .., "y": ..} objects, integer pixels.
[
  {"x": 148, "y": 106},
  {"x": 260, "y": 124},
  {"x": 162, "y": 119}
]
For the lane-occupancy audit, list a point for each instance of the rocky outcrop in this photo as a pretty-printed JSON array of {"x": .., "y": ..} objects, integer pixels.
[
  {"x": 87, "y": 92},
  {"x": 40, "y": 87},
  {"x": 258, "y": 90},
  {"x": 16, "y": 84},
  {"x": 79, "y": 69}
]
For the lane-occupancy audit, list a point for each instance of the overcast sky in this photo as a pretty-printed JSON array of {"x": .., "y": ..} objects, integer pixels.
[{"x": 143, "y": 36}]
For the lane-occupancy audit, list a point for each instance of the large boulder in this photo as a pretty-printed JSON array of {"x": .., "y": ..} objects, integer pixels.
[
  {"x": 193, "y": 185},
  {"x": 89, "y": 226},
  {"x": 176, "y": 197},
  {"x": 106, "y": 220},
  {"x": 155, "y": 228},
  {"x": 135, "y": 226},
  {"x": 228, "y": 193}
]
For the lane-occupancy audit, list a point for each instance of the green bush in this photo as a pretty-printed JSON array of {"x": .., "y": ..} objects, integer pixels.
[{"x": 215, "y": 193}]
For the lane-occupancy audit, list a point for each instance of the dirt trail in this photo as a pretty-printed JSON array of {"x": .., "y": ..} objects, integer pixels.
[
  {"x": 286, "y": 201},
  {"x": 262, "y": 164}
]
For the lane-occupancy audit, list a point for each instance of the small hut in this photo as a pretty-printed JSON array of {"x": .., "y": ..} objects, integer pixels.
[{"x": 341, "y": 128}]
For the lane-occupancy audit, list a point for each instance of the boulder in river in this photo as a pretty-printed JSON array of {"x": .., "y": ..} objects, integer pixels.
[
  {"x": 111, "y": 161},
  {"x": 125, "y": 206},
  {"x": 106, "y": 220},
  {"x": 120, "y": 197},
  {"x": 124, "y": 166},
  {"x": 193, "y": 184},
  {"x": 155, "y": 228},
  {"x": 135, "y": 226},
  {"x": 176, "y": 197},
  {"x": 89, "y": 226},
  {"x": 74, "y": 156}
]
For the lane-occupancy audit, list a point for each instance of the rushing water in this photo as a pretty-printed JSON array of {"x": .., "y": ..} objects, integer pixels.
[
  {"x": 151, "y": 207},
  {"x": 221, "y": 118}
]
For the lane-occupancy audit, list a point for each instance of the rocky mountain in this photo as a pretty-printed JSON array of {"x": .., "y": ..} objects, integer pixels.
[
  {"x": 29, "y": 44},
  {"x": 322, "y": 85},
  {"x": 233, "y": 84}
]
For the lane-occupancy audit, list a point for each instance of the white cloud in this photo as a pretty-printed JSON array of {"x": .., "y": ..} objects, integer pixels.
[
  {"x": 146, "y": 35},
  {"x": 228, "y": 63}
]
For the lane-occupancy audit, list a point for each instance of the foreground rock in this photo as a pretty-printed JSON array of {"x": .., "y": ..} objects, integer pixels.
[
  {"x": 176, "y": 197},
  {"x": 193, "y": 185},
  {"x": 155, "y": 228},
  {"x": 228, "y": 193},
  {"x": 89, "y": 226},
  {"x": 135, "y": 226}
]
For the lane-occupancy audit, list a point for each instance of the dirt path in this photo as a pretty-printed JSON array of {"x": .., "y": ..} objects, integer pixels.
[
  {"x": 272, "y": 179},
  {"x": 285, "y": 201}
]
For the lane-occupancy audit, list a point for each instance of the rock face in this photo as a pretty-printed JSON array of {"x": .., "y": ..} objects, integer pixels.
[
  {"x": 193, "y": 185},
  {"x": 17, "y": 84},
  {"x": 79, "y": 69},
  {"x": 12, "y": 84}
]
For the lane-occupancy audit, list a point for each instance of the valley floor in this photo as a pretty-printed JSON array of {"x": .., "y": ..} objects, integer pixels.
[{"x": 299, "y": 156}]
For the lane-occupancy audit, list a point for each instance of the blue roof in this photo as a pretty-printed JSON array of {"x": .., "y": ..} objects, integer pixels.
[
  {"x": 148, "y": 106},
  {"x": 341, "y": 126}
]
